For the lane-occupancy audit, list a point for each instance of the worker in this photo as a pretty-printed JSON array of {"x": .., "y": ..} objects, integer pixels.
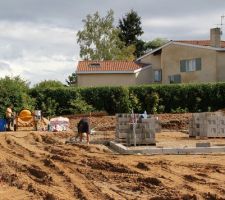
[
  {"x": 84, "y": 127},
  {"x": 9, "y": 117}
]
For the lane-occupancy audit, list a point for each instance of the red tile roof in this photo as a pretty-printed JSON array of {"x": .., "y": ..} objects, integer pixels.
[
  {"x": 200, "y": 42},
  {"x": 111, "y": 65}
]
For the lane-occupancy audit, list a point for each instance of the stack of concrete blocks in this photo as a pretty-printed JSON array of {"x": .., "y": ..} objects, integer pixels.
[
  {"x": 144, "y": 129},
  {"x": 207, "y": 124}
]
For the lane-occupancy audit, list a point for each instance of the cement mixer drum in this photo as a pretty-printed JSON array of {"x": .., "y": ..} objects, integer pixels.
[{"x": 25, "y": 115}]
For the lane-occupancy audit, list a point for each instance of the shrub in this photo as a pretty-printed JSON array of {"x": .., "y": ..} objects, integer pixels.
[
  {"x": 14, "y": 90},
  {"x": 49, "y": 107},
  {"x": 79, "y": 105}
]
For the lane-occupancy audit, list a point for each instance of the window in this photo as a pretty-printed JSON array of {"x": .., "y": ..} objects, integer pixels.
[
  {"x": 94, "y": 65},
  {"x": 158, "y": 75},
  {"x": 175, "y": 78},
  {"x": 190, "y": 65}
]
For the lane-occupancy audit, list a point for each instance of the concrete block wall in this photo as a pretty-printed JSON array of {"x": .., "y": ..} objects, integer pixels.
[
  {"x": 144, "y": 128},
  {"x": 207, "y": 124}
]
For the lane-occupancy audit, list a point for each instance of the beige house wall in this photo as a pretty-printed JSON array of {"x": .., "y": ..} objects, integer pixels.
[
  {"x": 221, "y": 66},
  {"x": 155, "y": 60},
  {"x": 170, "y": 62},
  {"x": 145, "y": 76},
  {"x": 89, "y": 80}
]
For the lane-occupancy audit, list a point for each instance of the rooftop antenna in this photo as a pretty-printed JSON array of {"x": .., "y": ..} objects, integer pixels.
[
  {"x": 222, "y": 17},
  {"x": 221, "y": 24}
]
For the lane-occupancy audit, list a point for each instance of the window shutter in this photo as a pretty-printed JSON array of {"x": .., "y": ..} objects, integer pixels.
[
  {"x": 177, "y": 78},
  {"x": 198, "y": 64},
  {"x": 160, "y": 75},
  {"x": 170, "y": 79},
  {"x": 182, "y": 66}
]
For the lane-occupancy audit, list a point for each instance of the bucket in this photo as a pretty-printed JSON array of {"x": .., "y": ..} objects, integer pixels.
[
  {"x": 2, "y": 124},
  {"x": 37, "y": 114}
]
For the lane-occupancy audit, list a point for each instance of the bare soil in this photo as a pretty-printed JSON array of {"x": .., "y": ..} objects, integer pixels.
[
  {"x": 38, "y": 165},
  {"x": 108, "y": 123}
]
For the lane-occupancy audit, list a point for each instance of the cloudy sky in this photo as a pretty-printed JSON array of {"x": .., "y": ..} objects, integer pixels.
[{"x": 38, "y": 37}]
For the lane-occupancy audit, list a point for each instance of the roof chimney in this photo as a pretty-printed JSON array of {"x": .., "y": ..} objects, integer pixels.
[{"x": 215, "y": 37}]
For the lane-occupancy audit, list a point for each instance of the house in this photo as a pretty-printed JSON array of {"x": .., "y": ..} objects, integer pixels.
[
  {"x": 195, "y": 61},
  {"x": 183, "y": 61},
  {"x": 112, "y": 73}
]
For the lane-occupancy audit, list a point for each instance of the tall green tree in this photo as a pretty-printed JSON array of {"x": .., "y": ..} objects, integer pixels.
[
  {"x": 130, "y": 32},
  {"x": 157, "y": 42},
  {"x": 99, "y": 39}
]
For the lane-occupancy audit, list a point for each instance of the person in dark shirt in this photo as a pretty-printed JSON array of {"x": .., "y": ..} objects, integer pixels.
[{"x": 84, "y": 127}]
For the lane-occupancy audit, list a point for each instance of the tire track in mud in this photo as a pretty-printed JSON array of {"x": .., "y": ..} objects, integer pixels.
[
  {"x": 78, "y": 171},
  {"x": 205, "y": 175},
  {"x": 115, "y": 174},
  {"x": 47, "y": 169},
  {"x": 83, "y": 187},
  {"x": 60, "y": 160},
  {"x": 122, "y": 179},
  {"x": 36, "y": 173}
]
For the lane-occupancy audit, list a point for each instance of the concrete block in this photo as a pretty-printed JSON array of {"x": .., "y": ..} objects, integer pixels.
[
  {"x": 192, "y": 132},
  {"x": 123, "y": 120},
  {"x": 120, "y": 126},
  {"x": 121, "y": 134},
  {"x": 123, "y": 130},
  {"x": 221, "y": 132},
  {"x": 148, "y": 120},
  {"x": 149, "y": 134},
  {"x": 138, "y": 126},
  {"x": 125, "y": 115},
  {"x": 221, "y": 121},
  {"x": 118, "y": 115},
  {"x": 203, "y": 144},
  {"x": 212, "y": 122},
  {"x": 212, "y": 131},
  {"x": 138, "y": 130}
]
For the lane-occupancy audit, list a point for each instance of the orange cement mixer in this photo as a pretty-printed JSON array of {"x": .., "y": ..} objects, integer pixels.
[{"x": 25, "y": 119}]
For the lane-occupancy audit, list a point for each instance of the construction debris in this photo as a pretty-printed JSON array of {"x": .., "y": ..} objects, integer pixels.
[{"x": 59, "y": 124}]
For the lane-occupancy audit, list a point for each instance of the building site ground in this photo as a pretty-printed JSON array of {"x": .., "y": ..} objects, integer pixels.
[{"x": 39, "y": 165}]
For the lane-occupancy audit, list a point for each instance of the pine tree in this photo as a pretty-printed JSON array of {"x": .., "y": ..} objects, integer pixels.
[{"x": 130, "y": 31}]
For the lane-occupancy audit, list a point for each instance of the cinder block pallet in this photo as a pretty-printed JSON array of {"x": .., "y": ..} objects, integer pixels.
[
  {"x": 144, "y": 129},
  {"x": 207, "y": 125}
]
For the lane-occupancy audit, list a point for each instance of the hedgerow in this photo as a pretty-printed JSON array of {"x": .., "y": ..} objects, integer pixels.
[
  {"x": 62, "y": 100},
  {"x": 152, "y": 98}
]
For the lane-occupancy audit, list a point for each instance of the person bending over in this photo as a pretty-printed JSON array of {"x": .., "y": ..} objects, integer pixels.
[{"x": 84, "y": 127}]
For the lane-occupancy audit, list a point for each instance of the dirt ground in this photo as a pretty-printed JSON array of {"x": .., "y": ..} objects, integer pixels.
[
  {"x": 108, "y": 123},
  {"x": 38, "y": 165}
]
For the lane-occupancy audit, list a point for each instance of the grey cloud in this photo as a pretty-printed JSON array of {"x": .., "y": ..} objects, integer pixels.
[
  {"x": 35, "y": 33},
  {"x": 5, "y": 66},
  {"x": 60, "y": 75},
  {"x": 73, "y": 10}
]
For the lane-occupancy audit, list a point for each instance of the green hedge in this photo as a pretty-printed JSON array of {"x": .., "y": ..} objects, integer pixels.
[{"x": 152, "y": 98}]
